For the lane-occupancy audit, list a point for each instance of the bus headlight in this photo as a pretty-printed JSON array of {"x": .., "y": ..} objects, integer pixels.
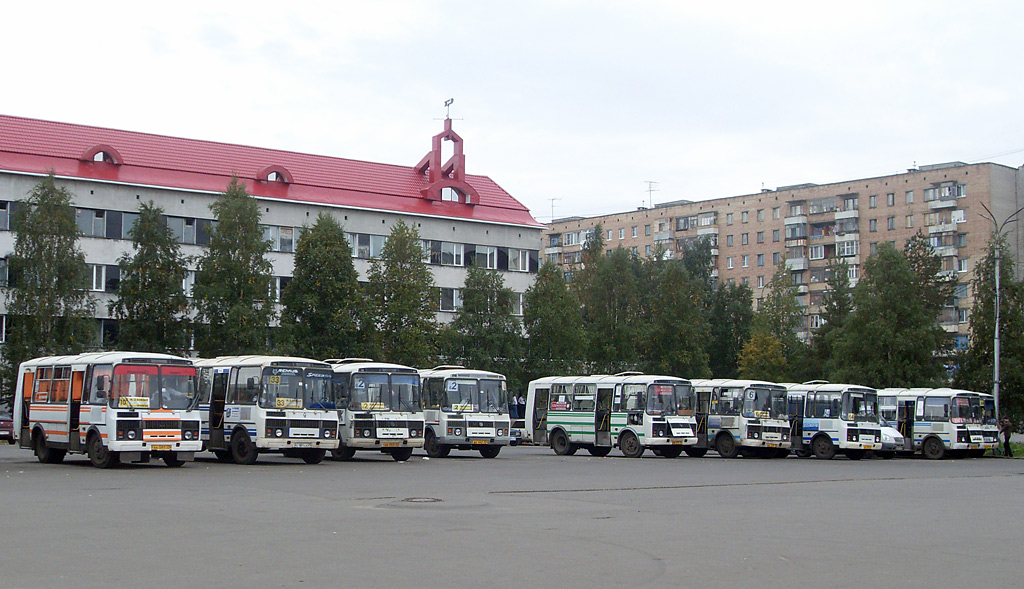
[
  {"x": 131, "y": 434},
  {"x": 279, "y": 432},
  {"x": 458, "y": 431},
  {"x": 188, "y": 435},
  {"x": 366, "y": 433}
]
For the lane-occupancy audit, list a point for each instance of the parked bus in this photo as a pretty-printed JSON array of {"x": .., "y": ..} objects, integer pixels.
[
  {"x": 258, "y": 404},
  {"x": 113, "y": 406},
  {"x": 464, "y": 410},
  {"x": 741, "y": 417},
  {"x": 379, "y": 407},
  {"x": 827, "y": 418},
  {"x": 942, "y": 421},
  {"x": 630, "y": 410}
]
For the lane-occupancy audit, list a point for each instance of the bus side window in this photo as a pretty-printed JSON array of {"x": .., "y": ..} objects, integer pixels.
[
  {"x": 99, "y": 387},
  {"x": 43, "y": 385},
  {"x": 246, "y": 386},
  {"x": 435, "y": 393}
]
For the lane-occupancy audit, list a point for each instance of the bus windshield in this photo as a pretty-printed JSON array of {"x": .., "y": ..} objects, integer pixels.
[
  {"x": 384, "y": 392},
  {"x": 765, "y": 403},
  {"x": 860, "y": 406},
  {"x": 967, "y": 409},
  {"x": 152, "y": 387},
  {"x": 319, "y": 393},
  {"x": 669, "y": 398},
  {"x": 282, "y": 388},
  {"x": 471, "y": 395},
  {"x": 990, "y": 411}
]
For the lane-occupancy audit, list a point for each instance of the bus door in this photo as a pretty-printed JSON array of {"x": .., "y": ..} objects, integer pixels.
[
  {"x": 219, "y": 394},
  {"x": 540, "y": 416},
  {"x": 603, "y": 418},
  {"x": 26, "y": 404},
  {"x": 77, "y": 382},
  {"x": 795, "y": 407},
  {"x": 905, "y": 421},
  {"x": 703, "y": 410}
]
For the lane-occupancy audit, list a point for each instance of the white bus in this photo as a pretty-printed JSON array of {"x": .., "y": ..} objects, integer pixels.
[
  {"x": 741, "y": 417},
  {"x": 630, "y": 410},
  {"x": 256, "y": 404},
  {"x": 942, "y": 421},
  {"x": 113, "y": 406},
  {"x": 379, "y": 406},
  {"x": 464, "y": 410},
  {"x": 828, "y": 418}
]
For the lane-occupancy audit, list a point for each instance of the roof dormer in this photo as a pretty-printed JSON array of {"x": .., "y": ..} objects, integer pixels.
[
  {"x": 102, "y": 153},
  {"x": 275, "y": 173}
]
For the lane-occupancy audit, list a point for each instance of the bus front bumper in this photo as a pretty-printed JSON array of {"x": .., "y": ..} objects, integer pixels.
[{"x": 297, "y": 443}]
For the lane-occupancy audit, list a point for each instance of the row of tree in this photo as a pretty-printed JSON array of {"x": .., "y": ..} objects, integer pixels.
[{"x": 619, "y": 312}]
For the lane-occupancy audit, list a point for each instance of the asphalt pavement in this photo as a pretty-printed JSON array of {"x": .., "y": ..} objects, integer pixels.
[{"x": 527, "y": 518}]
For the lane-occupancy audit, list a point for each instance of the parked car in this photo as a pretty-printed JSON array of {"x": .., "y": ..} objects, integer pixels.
[
  {"x": 892, "y": 440},
  {"x": 6, "y": 427}
]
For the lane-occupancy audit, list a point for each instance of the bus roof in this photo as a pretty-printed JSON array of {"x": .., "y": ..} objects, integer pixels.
[
  {"x": 828, "y": 387},
  {"x": 104, "y": 358},
  {"x": 459, "y": 371},
  {"x": 259, "y": 360},
  {"x": 365, "y": 365},
  {"x": 733, "y": 383},
  {"x": 926, "y": 392}
]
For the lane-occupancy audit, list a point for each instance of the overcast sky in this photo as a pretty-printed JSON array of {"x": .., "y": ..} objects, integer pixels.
[{"x": 579, "y": 101}]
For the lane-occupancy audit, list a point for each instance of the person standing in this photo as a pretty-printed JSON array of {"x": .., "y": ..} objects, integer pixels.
[
  {"x": 521, "y": 403},
  {"x": 1006, "y": 428}
]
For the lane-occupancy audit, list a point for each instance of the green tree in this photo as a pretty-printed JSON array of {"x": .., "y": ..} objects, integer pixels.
[
  {"x": 403, "y": 298},
  {"x": 151, "y": 306},
  {"x": 610, "y": 291},
  {"x": 779, "y": 314},
  {"x": 731, "y": 316},
  {"x": 974, "y": 366},
  {"x": 893, "y": 337},
  {"x": 836, "y": 306},
  {"x": 490, "y": 336},
  {"x": 324, "y": 306},
  {"x": 554, "y": 327},
  {"x": 232, "y": 294},
  {"x": 678, "y": 327},
  {"x": 49, "y": 308},
  {"x": 763, "y": 358}
]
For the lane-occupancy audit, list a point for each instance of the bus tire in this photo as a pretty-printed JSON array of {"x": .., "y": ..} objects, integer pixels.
[
  {"x": 99, "y": 455},
  {"x": 695, "y": 452},
  {"x": 172, "y": 461},
  {"x": 490, "y": 451},
  {"x": 933, "y": 449},
  {"x": 560, "y": 443},
  {"x": 432, "y": 447},
  {"x": 243, "y": 451},
  {"x": 401, "y": 454},
  {"x": 823, "y": 448},
  {"x": 45, "y": 454},
  {"x": 630, "y": 445},
  {"x": 343, "y": 454},
  {"x": 801, "y": 453},
  {"x": 313, "y": 456},
  {"x": 599, "y": 451},
  {"x": 726, "y": 446},
  {"x": 671, "y": 451},
  {"x": 855, "y": 454}
]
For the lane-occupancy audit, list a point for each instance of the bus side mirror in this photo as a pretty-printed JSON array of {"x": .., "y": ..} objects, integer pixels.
[
  {"x": 101, "y": 385},
  {"x": 250, "y": 384}
]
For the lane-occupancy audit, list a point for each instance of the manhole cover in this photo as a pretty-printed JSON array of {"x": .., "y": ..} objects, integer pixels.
[{"x": 421, "y": 500}]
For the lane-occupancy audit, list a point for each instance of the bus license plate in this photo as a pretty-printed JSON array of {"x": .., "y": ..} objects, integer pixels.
[
  {"x": 303, "y": 444},
  {"x": 479, "y": 441},
  {"x": 770, "y": 445},
  {"x": 677, "y": 442},
  {"x": 390, "y": 444},
  {"x": 159, "y": 447}
]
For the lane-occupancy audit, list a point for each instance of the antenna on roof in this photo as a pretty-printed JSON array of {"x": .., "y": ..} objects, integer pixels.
[
  {"x": 650, "y": 190},
  {"x": 553, "y": 207}
]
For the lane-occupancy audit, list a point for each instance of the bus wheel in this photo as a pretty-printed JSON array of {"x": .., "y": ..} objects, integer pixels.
[
  {"x": 695, "y": 452},
  {"x": 671, "y": 451},
  {"x": 726, "y": 446},
  {"x": 432, "y": 447},
  {"x": 344, "y": 453},
  {"x": 172, "y": 461},
  {"x": 99, "y": 455},
  {"x": 243, "y": 451},
  {"x": 855, "y": 454},
  {"x": 630, "y": 445},
  {"x": 313, "y": 456},
  {"x": 47, "y": 455},
  {"x": 560, "y": 443},
  {"x": 802, "y": 453},
  {"x": 599, "y": 451},
  {"x": 933, "y": 449},
  {"x": 401, "y": 454},
  {"x": 823, "y": 448},
  {"x": 490, "y": 451}
]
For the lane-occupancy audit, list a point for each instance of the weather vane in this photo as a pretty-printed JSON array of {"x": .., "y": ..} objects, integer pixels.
[{"x": 447, "y": 107}]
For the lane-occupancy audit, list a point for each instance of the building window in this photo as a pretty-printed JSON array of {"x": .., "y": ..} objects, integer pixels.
[
  {"x": 647, "y": 229},
  {"x": 366, "y": 246},
  {"x": 573, "y": 237},
  {"x": 760, "y": 259},
  {"x": 518, "y": 260},
  {"x": 728, "y": 240},
  {"x": 890, "y": 198},
  {"x": 622, "y": 233},
  {"x": 647, "y": 251},
  {"x": 451, "y": 299},
  {"x": 815, "y": 321},
  {"x": 776, "y": 256},
  {"x": 891, "y": 223},
  {"x": 846, "y": 249},
  {"x": 796, "y": 210},
  {"x": 851, "y": 272},
  {"x": 451, "y": 253},
  {"x": 609, "y": 235},
  {"x": 910, "y": 221},
  {"x": 760, "y": 214},
  {"x": 873, "y": 225},
  {"x": 728, "y": 218},
  {"x": 760, "y": 282},
  {"x": 634, "y": 231},
  {"x": 728, "y": 263},
  {"x": 487, "y": 257},
  {"x": 517, "y": 303},
  {"x": 962, "y": 315},
  {"x": 961, "y": 265},
  {"x": 775, "y": 235},
  {"x": 99, "y": 277},
  {"x": 960, "y": 190},
  {"x": 817, "y": 252},
  {"x": 910, "y": 196},
  {"x": 746, "y": 280},
  {"x": 874, "y": 247},
  {"x": 873, "y": 201},
  {"x": 776, "y": 213},
  {"x": 760, "y": 237},
  {"x": 957, "y": 216},
  {"x": 745, "y": 238},
  {"x": 5, "y": 216},
  {"x": 91, "y": 223},
  {"x": 746, "y": 261},
  {"x": 744, "y": 216},
  {"x": 961, "y": 240},
  {"x": 188, "y": 282}
]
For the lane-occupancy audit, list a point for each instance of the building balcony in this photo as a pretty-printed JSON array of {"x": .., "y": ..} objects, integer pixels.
[
  {"x": 943, "y": 228},
  {"x": 662, "y": 236},
  {"x": 848, "y": 214},
  {"x": 707, "y": 231},
  {"x": 797, "y": 220},
  {"x": 946, "y": 250},
  {"x": 942, "y": 203},
  {"x": 796, "y": 264}
]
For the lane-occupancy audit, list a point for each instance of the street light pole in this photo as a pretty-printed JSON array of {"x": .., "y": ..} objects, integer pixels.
[{"x": 997, "y": 234}]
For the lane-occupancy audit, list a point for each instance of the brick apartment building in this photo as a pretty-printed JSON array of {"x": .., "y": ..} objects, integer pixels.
[{"x": 807, "y": 224}]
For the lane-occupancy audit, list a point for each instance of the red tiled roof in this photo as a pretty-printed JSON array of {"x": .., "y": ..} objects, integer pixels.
[{"x": 35, "y": 146}]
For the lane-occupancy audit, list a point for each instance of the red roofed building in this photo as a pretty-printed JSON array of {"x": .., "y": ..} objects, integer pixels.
[{"x": 463, "y": 218}]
